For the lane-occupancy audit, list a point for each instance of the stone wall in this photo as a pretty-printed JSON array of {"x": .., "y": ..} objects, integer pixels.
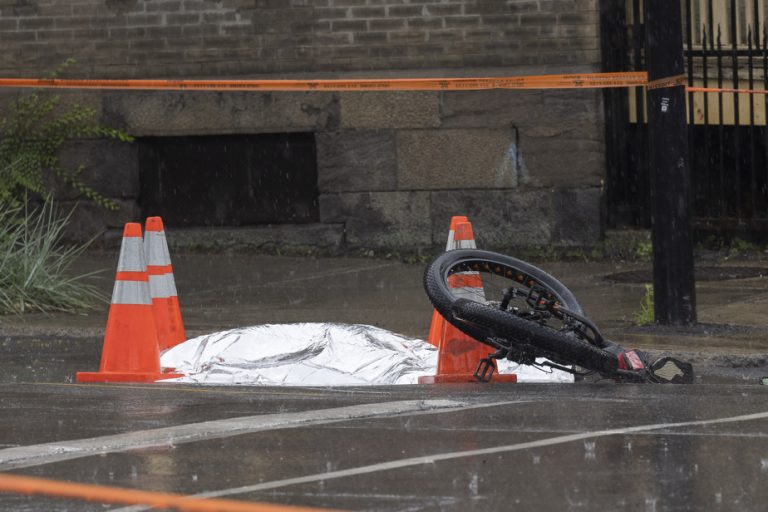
[{"x": 526, "y": 167}]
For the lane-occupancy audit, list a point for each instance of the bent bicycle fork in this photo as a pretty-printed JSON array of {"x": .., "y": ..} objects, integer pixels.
[{"x": 631, "y": 365}]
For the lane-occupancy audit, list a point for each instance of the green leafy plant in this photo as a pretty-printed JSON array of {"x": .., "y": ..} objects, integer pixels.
[
  {"x": 739, "y": 246},
  {"x": 31, "y": 134},
  {"x": 34, "y": 263},
  {"x": 643, "y": 251},
  {"x": 645, "y": 315}
]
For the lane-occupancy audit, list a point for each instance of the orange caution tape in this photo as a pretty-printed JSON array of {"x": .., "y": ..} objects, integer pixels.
[
  {"x": 104, "y": 494},
  {"x": 663, "y": 83},
  {"x": 720, "y": 89},
  {"x": 573, "y": 81}
]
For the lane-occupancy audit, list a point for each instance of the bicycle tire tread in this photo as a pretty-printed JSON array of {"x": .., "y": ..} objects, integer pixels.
[
  {"x": 557, "y": 344},
  {"x": 483, "y": 322}
]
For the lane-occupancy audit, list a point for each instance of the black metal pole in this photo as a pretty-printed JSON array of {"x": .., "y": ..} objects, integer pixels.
[{"x": 673, "y": 280}]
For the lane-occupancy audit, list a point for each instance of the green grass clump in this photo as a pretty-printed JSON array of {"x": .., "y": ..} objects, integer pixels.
[
  {"x": 34, "y": 263},
  {"x": 645, "y": 315},
  {"x": 644, "y": 251}
]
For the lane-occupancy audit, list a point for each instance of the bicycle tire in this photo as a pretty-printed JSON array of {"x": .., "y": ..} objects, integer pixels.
[
  {"x": 486, "y": 323},
  {"x": 554, "y": 344},
  {"x": 436, "y": 286}
]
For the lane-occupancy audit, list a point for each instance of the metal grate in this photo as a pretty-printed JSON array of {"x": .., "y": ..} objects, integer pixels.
[
  {"x": 229, "y": 180},
  {"x": 726, "y": 45}
]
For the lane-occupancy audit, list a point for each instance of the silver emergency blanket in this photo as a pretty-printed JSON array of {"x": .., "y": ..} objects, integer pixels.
[{"x": 315, "y": 354}]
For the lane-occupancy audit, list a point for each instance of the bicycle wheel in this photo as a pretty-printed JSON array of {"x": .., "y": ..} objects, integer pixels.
[{"x": 505, "y": 303}]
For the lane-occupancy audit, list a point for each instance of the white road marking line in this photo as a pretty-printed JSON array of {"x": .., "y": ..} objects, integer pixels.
[
  {"x": 431, "y": 459},
  {"x": 36, "y": 455}
]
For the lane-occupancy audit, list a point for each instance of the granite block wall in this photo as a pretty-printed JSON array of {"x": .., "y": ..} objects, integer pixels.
[{"x": 525, "y": 166}]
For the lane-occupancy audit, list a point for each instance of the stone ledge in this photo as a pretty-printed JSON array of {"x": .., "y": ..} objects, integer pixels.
[{"x": 275, "y": 238}]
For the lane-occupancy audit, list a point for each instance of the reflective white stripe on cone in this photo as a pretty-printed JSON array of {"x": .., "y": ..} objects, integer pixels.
[
  {"x": 130, "y": 352},
  {"x": 165, "y": 302}
]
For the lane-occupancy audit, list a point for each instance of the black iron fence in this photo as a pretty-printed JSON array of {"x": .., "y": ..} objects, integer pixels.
[{"x": 726, "y": 47}]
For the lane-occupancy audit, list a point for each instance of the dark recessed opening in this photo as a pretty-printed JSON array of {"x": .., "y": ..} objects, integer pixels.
[{"x": 229, "y": 180}]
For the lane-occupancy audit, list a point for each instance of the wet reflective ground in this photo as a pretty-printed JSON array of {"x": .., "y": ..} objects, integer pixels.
[
  {"x": 545, "y": 446},
  {"x": 223, "y": 291},
  {"x": 498, "y": 447}
]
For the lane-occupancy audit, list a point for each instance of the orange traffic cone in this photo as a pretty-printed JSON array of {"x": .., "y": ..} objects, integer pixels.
[
  {"x": 459, "y": 354},
  {"x": 162, "y": 287},
  {"x": 438, "y": 322},
  {"x": 130, "y": 352}
]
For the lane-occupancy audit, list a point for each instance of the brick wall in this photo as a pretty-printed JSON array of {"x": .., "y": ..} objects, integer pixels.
[
  {"x": 131, "y": 38},
  {"x": 526, "y": 166}
]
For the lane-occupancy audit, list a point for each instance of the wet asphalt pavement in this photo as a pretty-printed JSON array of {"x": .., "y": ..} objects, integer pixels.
[
  {"x": 586, "y": 446},
  {"x": 503, "y": 447}
]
